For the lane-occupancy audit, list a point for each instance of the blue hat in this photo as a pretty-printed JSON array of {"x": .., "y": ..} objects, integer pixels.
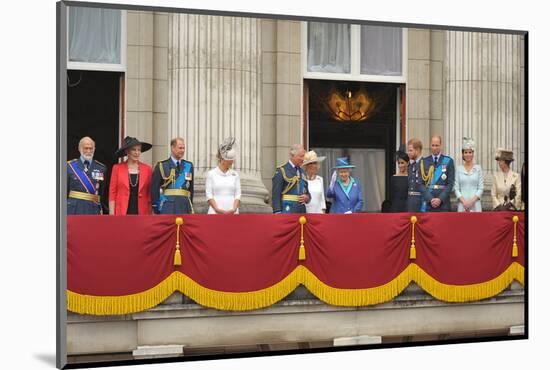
[{"x": 342, "y": 163}]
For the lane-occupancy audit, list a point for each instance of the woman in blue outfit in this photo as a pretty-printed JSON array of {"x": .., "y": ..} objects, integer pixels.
[
  {"x": 344, "y": 190},
  {"x": 468, "y": 180}
]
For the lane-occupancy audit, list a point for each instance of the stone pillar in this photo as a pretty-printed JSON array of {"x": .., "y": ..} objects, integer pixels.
[
  {"x": 139, "y": 78},
  {"x": 282, "y": 93},
  {"x": 483, "y": 97},
  {"x": 214, "y": 84}
]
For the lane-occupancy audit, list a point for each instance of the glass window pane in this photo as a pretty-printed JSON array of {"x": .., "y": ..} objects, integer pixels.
[
  {"x": 381, "y": 51},
  {"x": 94, "y": 35},
  {"x": 328, "y": 47}
]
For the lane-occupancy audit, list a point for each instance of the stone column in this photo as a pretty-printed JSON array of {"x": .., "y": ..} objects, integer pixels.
[
  {"x": 214, "y": 80},
  {"x": 483, "y": 97}
]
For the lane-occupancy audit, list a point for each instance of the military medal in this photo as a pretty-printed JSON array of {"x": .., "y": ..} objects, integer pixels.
[
  {"x": 189, "y": 176},
  {"x": 444, "y": 177}
]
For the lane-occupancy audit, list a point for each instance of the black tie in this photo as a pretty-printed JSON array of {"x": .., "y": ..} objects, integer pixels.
[
  {"x": 179, "y": 166},
  {"x": 86, "y": 165}
]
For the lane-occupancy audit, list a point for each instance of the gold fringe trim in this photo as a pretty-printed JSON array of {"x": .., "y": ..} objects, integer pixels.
[
  {"x": 177, "y": 281},
  {"x": 472, "y": 292},
  {"x": 120, "y": 305},
  {"x": 357, "y": 297}
]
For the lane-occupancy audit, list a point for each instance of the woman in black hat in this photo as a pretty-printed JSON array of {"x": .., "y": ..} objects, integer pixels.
[
  {"x": 398, "y": 182},
  {"x": 129, "y": 190}
]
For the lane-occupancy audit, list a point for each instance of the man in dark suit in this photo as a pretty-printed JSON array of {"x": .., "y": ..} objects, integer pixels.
[
  {"x": 415, "y": 188},
  {"x": 172, "y": 182},
  {"x": 85, "y": 181},
  {"x": 289, "y": 187},
  {"x": 438, "y": 173}
]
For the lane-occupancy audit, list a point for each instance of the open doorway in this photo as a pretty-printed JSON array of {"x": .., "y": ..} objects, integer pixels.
[
  {"x": 360, "y": 120},
  {"x": 93, "y": 109}
]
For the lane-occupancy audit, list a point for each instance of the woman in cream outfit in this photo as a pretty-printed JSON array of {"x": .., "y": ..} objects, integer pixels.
[
  {"x": 504, "y": 179},
  {"x": 314, "y": 183},
  {"x": 223, "y": 184}
]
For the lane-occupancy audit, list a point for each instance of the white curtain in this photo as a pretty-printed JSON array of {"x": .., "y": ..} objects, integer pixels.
[
  {"x": 381, "y": 51},
  {"x": 94, "y": 35},
  {"x": 370, "y": 172},
  {"x": 328, "y": 47}
]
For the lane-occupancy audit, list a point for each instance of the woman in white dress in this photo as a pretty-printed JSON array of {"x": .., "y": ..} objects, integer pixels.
[
  {"x": 223, "y": 184},
  {"x": 506, "y": 188},
  {"x": 468, "y": 180},
  {"x": 315, "y": 183}
]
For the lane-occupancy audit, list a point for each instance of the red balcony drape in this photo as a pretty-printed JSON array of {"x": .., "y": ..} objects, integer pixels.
[{"x": 124, "y": 264}]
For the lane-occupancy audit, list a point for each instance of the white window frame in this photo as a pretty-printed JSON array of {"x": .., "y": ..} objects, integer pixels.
[
  {"x": 355, "y": 61},
  {"x": 111, "y": 67}
]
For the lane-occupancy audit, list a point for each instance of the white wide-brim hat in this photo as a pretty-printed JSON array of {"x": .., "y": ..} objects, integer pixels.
[{"x": 311, "y": 157}]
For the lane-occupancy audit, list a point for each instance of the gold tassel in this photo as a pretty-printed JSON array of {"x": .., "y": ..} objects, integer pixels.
[
  {"x": 177, "y": 254},
  {"x": 412, "y": 252},
  {"x": 177, "y": 257},
  {"x": 302, "y": 251},
  {"x": 515, "y": 245}
]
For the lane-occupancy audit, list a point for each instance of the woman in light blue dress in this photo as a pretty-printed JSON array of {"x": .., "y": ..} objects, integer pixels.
[{"x": 468, "y": 180}]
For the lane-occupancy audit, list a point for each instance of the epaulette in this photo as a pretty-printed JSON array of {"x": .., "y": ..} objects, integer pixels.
[
  {"x": 282, "y": 165},
  {"x": 71, "y": 161},
  {"x": 98, "y": 162}
]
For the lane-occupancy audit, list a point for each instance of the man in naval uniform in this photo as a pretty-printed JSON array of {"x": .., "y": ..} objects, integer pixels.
[
  {"x": 172, "y": 182},
  {"x": 85, "y": 181},
  {"x": 438, "y": 174},
  {"x": 415, "y": 189},
  {"x": 289, "y": 186}
]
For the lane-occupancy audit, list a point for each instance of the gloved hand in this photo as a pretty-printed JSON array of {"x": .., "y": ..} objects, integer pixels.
[{"x": 333, "y": 179}]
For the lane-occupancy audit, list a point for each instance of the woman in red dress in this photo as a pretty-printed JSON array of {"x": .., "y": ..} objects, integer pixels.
[{"x": 129, "y": 190}]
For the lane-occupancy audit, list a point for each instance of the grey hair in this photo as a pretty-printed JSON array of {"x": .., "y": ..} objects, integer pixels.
[
  {"x": 295, "y": 148},
  {"x": 85, "y": 138}
]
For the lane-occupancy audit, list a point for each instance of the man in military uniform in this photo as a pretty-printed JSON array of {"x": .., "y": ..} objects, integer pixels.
[
  {"x": 289, "y": 186},
  {"x": 438, "y": 174},
  {"x": 172, "y": 182},
  {"x": 85, "y": 181},
  {"x": 415, "y": 191}
]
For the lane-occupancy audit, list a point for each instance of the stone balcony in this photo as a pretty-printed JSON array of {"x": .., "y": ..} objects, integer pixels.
[{"x": 180, "y": 327}]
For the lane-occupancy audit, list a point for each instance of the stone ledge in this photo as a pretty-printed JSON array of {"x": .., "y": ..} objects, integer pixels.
[{"x": 171, "y": 350}]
